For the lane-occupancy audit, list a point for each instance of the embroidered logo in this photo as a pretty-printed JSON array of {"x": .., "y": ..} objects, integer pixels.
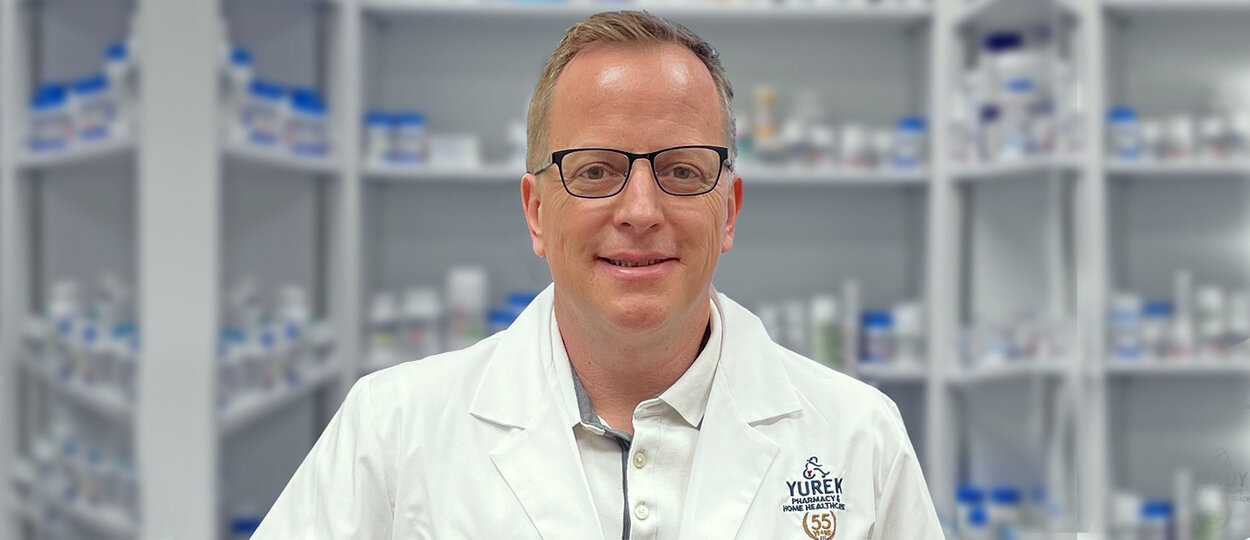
[{"x": 816, "y": 495}]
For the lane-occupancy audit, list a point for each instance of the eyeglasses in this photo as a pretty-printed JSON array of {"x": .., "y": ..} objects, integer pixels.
[{"x": 597, "y": 173}]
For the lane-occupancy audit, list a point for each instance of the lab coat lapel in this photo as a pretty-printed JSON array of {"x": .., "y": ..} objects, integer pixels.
[
  {"x": 539, "y": 460},
  {"x": 733, "y": 457},
  {"x": 541, "y": 465}
]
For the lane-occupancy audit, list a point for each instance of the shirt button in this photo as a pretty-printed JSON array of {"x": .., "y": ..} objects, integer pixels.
[
  {"x": 641, "y": 512},
  {"x": 640, "y": 459}
]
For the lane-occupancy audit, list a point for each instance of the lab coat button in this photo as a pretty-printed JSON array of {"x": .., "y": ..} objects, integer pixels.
[
  {"x": 640, "y": 459},
  {"x": 641, "y": 512}
]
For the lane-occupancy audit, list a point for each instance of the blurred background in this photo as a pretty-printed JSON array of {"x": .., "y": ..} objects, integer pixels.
[{"x": 1026, "y": 221}]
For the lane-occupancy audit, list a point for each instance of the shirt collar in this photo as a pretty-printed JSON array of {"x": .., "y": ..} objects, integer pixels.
[{"x": 688, "y": 396}]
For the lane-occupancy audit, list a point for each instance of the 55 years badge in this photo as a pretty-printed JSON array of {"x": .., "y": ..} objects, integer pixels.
[
  {"x": 816, "y": 494},
  {"x": 822, "y": 526}
]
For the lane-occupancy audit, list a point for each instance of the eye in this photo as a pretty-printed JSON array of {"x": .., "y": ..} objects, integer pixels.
[
  {"x": 594, "y": 172},
  {"x": 682, "y": 172}
]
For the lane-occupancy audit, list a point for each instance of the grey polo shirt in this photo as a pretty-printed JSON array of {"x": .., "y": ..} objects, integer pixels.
[{"x": 639, "y": 483}]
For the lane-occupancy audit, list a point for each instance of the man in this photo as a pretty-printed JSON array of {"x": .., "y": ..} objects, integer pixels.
[{"x": 629, "y": 400}]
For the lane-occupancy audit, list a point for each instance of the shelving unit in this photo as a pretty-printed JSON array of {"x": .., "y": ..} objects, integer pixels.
[
  {"x": 857, "y": 14},
  {"x": 1057, "y": 234},
  {"x": 1155, "y": 419},
  {"x": 66, "y": 215}
]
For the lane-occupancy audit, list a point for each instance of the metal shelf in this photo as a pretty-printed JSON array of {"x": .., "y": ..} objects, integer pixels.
[
  {"x": 1028, "y": 168},
  {"x": 77, "y": 154},
  {"x": 900, "y": 374},
  {"x": 106, "y": 522},
  {"x": 1179, "y": 368},
  {"x": 1010, "y": 371},
  {"x": 1008, "y": 12},
  {"x": 745, "y": 13},
  {"x": 247, "y": 409},
  {"x": 1132, "y": 7},
  {"x": 280, "y": 159},
  {"x": 1180, "y": 169},
  {"x": 102, "y": 401}
]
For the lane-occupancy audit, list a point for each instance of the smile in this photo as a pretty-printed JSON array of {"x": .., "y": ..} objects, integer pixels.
[{"x": 634, "y": 264}]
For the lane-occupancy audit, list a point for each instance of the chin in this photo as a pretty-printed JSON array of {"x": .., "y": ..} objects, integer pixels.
[{"x": 639, "y": 314}]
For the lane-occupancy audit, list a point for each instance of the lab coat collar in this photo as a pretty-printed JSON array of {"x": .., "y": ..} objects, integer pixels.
[
  {"x": 540, "y": 462},
  {"x": 520, "y": 379}
]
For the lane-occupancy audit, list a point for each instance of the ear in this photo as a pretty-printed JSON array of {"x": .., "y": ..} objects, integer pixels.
[
  {"x": 731, "y": 217},
  {"x": 531, "y": 205}
]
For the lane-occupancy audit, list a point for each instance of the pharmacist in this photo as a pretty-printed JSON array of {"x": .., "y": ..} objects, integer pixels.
[{"x": 630, "y": 400}]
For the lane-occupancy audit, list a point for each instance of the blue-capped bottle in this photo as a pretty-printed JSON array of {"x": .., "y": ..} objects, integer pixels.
[
  {"x": 95, "y": 109},
  {"x": 308, "y": 130},
  {"x": 909, "y": 142},
  {"x": 263, "y": 114},
  {"x": 51, "y": 125}
]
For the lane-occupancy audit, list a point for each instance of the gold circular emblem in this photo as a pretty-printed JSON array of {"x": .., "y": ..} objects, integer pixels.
[{"x": 820, "y": 526}]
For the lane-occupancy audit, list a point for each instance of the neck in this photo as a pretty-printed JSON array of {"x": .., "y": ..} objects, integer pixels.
[{"x": 620, "y": 369}]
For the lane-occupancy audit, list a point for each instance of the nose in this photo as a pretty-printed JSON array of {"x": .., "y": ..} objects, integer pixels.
[{"x": 638, "y": 205}]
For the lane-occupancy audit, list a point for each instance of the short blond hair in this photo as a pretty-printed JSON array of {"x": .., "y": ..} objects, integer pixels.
[{"x": 619, "y": 28}]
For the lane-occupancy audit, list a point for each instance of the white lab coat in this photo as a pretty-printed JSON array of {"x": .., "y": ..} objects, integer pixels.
[{"x": 475, "y": 444}]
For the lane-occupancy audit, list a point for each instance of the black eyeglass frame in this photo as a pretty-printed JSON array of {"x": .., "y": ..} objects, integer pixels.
[{"x": 556, "y": 158}]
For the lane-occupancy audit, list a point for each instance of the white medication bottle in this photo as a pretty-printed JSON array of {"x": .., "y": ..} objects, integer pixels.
[
  {"x": 379, "y": 135},
  {"x": 263, "y": 114},
  {"x": 977, "y": 526},
  {"x": 1126, "y": 319},
  {"x": 856, "y": 151},
  {"x": 1179, "y": 138},
  {"x": 1182, "y": 341},
  {"x": 237, "y": 88},
  {"x": 827, "y": 345},
  {"x": 1156, "y": 521},
  {"x": 794, "y": 320},
  {"x": 1239, "y": 133},
  {"x": 411, "y": 143},
  {"x": 422, "y": 312},
  {"x": 120, "y": 72},
  {"x": 909, "y": 143},
  {"x": 1209, "y": 314},
  {"x": 883, "y": 148},
  {"x": 908, "y": 333},
  {"x": 1126, "y": 516},
  {"x": 1004, "y": 510},
  {"x": 95, "y": 110},
  {"x": 1155, "y": 325},
  {"x": 1210, "y": 514},
  {"x": 1239, "y": 324},
  {"x": 1212, "y": 137},
  {"x": 126, "y": 353},
  {"x": 878, "y": 336},
  {"x": 1126, "y": 140},
  {"x": 307, "y": 128},
  {"x": 967, "y": 499},
  {"x": 466, "y": 306},
  {"x": 51, "y": 123},
  {"x": 383, "y": 330}
]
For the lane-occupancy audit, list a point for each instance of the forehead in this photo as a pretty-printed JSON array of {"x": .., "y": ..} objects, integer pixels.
[{"x": 636, "y": 97}]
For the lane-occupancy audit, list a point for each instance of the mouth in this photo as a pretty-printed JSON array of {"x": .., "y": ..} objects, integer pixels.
[{"x": 634, "y": 263}]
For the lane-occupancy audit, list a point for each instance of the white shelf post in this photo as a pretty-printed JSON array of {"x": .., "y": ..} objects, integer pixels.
[
  {"x": 179, "y": 265},
  {"x": 1093, "y": 278},
  {"x": 346, "y": 271},
  {"x": 13, "y": 266},
  {"x": 942, "y": 275}
]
